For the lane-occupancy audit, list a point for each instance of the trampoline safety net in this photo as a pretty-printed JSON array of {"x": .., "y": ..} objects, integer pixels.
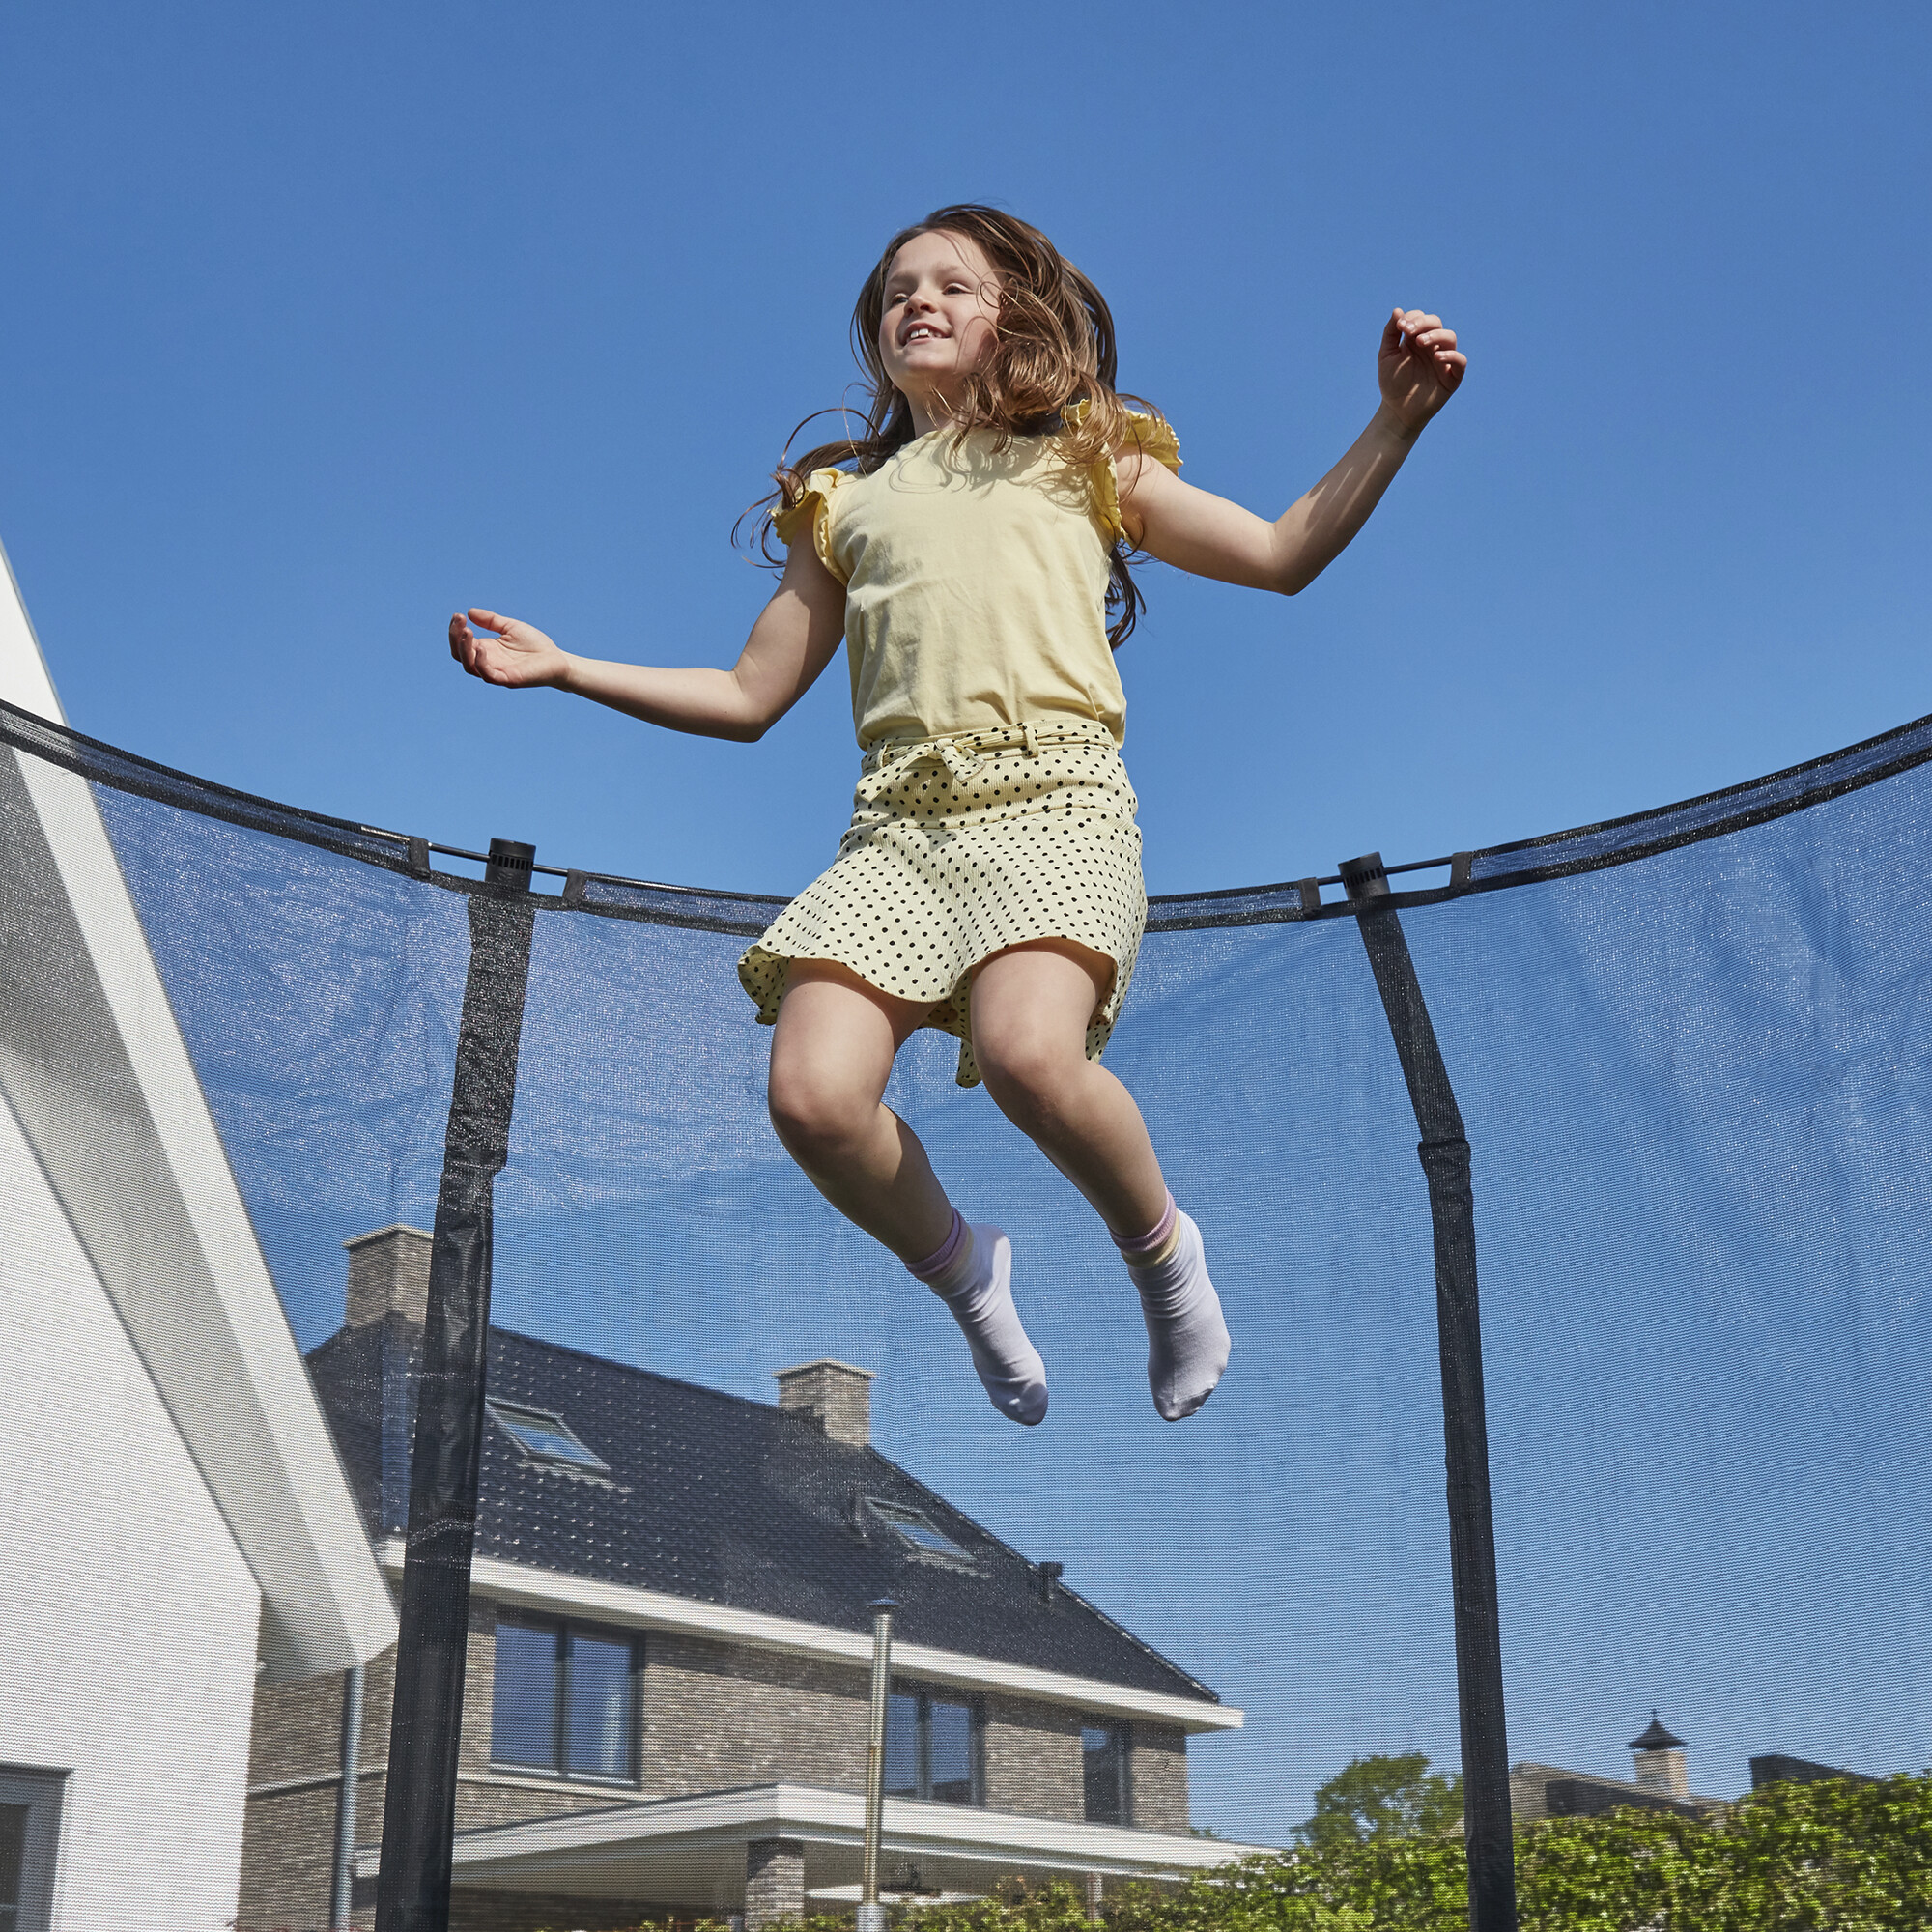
[{"x": 677, "y": 1429}]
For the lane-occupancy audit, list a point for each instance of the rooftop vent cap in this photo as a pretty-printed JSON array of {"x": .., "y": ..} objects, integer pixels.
[
  {"x": 1654, "y": 1737},
  {"x": 835, "y": 1394},
  {"x": 1661, "y": 1765}
]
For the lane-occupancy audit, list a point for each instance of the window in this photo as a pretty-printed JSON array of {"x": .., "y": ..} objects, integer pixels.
[
  {"x": 932, "y": 1749},
  {"x": 545, "y": 1437},
  {"x": 30, "y": 1807},
  {"x": 566, "y": 1701},
  {"x": 1104, "y": 1750},
  {"x": 917, "y": 1532}
]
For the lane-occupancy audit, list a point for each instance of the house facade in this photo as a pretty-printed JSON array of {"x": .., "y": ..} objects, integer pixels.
[
  {"x": 176, "y": 1526},
  {"x": 668, "y": 1676}
]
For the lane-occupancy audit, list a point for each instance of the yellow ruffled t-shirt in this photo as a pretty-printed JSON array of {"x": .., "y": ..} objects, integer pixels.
[{"x": 976, "y": 582}]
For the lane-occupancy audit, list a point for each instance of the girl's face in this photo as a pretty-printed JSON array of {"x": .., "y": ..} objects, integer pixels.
[{"x": 942, "y": 304}]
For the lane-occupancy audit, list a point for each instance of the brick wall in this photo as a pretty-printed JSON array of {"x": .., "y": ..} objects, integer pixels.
[
  {"x": 479, "y": 1682},
  {"x": 718, "y": 1715},
  {"x": 773, "y": 1881},
  {"x": 296, "y": 1730},
  {"x": 287, "y": 1859},
  {"x": 1033, "y": 1760},
  {"x": 519, "y": 1911},
  {"x": 1157, "y": 1777}
]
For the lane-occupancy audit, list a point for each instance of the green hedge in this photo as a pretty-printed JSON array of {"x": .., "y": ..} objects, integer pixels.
[{"x": 1837, "y": 1856}]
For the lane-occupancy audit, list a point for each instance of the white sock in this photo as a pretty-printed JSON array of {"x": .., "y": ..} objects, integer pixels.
[
  {"x": 1188, "y": 1339},
  {"x": 977, "y": 1284}
]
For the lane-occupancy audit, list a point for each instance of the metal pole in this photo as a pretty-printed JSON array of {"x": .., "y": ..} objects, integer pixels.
[
  {"x": 1444, "y": 1152},
  {"x": 871, "y": 1913},
  {"x": 342, "y": 1892},
  {"x": 425, "y": 1725}
]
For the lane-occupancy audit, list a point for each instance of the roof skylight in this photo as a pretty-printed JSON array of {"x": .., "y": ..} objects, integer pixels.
[
  {"x": 918, "y": 1531},
  {"x": 545, "y": 1437}
]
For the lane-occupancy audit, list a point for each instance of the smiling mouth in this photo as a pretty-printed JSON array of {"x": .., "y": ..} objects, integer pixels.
[{"x": 919, "y": 332}]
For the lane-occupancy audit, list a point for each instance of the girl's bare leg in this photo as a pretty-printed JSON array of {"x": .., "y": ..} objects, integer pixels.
[
  {"x": 1031, "y": 1009},
  {"x": 832, "y": 1055}
]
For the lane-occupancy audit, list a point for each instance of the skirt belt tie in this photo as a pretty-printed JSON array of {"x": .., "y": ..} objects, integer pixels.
[{"x": 958, "y": 760}]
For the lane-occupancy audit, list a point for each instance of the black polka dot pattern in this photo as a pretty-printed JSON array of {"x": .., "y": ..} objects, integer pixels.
[{"x": 960, "y": 847}]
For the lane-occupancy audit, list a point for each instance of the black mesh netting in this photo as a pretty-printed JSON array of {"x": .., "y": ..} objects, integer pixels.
[{"x": 1692, "y": 1053}]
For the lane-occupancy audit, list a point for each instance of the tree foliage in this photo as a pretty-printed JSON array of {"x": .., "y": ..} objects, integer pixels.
[
  {"x": 1384, "y": 1797},
  {"x": 1837, "y": 1856}
]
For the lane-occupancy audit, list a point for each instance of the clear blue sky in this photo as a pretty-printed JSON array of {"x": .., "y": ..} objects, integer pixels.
[{"x": 321, "y": 322}]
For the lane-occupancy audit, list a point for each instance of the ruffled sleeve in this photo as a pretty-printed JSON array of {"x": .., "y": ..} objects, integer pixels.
[
  {"x": 812, "y": 509},
  {"x": 1151, "y": 435}
]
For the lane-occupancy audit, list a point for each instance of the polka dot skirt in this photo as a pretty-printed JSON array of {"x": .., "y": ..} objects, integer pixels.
[{"x": 960, "y": 847}]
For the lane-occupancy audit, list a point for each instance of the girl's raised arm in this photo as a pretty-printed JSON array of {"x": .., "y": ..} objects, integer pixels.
[
  {"x": 1419, "y": 367},
  {"x": 791, "y": 643}
]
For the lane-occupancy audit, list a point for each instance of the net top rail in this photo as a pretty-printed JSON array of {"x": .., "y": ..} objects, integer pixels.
[{"x": 1586, "y": 849}]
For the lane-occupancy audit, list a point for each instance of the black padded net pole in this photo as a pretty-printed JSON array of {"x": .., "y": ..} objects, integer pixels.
[
  {"x": 419, "y": 1805},
  {"x": 1444, "y": 1152}
]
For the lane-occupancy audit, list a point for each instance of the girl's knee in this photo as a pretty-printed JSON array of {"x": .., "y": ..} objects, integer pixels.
[
  {"x": 812, "y": 1110},
  {"x": 1026, "y": 1073}
]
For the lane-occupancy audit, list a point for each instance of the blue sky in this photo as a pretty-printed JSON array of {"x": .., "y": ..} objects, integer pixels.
[
  {"x": 317, "y": 325},
  {"x": 321, "y": 322}
]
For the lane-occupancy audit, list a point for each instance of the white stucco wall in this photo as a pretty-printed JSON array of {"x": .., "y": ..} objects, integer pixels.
[{"x": 131, "y": 1617}]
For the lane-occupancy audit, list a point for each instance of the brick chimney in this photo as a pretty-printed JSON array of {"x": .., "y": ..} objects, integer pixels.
[
  {"x": 388, "y": 1274},
  {"x": 1661, "y": 1765},
  {"x": 835, "y": 1394}
]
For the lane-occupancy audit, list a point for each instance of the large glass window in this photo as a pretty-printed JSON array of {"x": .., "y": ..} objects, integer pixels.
[
  {"x": 1103, "y": 1768},
  {"x": 932, "y": 1749},
  {"x": 567, "y": 1700}
]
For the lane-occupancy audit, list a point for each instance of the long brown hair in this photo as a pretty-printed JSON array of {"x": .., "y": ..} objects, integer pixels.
[{"x": 1053, "y": 347}]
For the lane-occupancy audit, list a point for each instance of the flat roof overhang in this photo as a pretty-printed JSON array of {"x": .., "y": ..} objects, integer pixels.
[{"x": 689, "y": 1852}]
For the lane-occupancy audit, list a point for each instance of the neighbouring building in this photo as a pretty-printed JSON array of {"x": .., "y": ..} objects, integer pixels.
[
  {"x": 1779, "y": 1768},
  {"x": 666, "y": 1703},
  {"x": 175, "y": 1525},
  {"x": 1662, "y": 1782}
]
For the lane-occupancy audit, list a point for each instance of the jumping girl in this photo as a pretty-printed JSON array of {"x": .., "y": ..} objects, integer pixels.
[{"x": 968, "y": 548}]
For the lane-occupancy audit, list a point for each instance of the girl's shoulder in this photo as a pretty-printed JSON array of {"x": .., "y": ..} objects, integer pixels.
[
  {"x": 812, "y": 510},
  {"x": 1151, "y": 435},
  {"x": 1143, "y": 435}
]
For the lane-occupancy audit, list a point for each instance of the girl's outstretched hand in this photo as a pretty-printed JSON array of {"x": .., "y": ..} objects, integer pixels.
[
  {"x": 500, "y": 650},
  {"x": 1419, "y": 365}
]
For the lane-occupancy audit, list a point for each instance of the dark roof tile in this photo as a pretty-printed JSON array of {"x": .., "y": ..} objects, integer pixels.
[{"x": 718, "y": 1499}]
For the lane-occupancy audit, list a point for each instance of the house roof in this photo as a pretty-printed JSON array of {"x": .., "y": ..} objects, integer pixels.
[{"x": 720, "y": 1500}]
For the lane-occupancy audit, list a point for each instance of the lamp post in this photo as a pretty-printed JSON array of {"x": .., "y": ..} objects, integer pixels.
[{"x": 871, "y": 1913}]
